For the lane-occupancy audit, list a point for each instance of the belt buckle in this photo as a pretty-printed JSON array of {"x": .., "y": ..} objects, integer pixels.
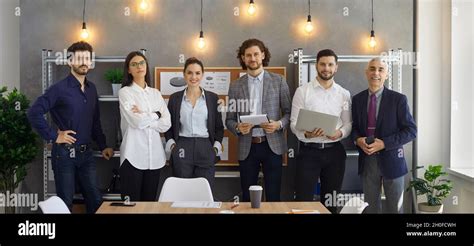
[
  {"x": 83, "y": 148},
  {"x": 259, "y": 140},
  {"x": 321, "y": 146}
]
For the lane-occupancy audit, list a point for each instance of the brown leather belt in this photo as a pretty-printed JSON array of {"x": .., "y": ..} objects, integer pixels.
[{"x": 258, "y": 140}]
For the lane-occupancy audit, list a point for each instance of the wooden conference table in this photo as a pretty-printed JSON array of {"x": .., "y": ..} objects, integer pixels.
[{"x": 243, "y": 208}]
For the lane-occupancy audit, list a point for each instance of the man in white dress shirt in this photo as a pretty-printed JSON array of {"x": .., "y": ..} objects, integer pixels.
[{"x": 322, "y": 156}]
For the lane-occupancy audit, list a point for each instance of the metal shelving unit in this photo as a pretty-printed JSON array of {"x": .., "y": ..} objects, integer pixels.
[{"x": 47, "y": 63}]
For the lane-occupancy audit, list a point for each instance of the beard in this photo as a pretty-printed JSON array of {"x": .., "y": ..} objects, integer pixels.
[
  {"x": 79, "y": 70},
  {"x": 329, "y": 77},
  {"x": 254, "y": 66}
]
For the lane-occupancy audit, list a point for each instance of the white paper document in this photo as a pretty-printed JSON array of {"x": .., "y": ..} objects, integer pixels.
[
  {"x": 254, "y": 119},
  {"x": 196, "y": 205},
  {"x": 302, "y": 211}
]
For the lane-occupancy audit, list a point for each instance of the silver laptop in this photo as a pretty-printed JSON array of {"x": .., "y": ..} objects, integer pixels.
[{"x": 309, "y": 120}]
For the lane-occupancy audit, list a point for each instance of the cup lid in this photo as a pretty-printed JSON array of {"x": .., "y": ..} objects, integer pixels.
[{"x": 255, "y": 187}]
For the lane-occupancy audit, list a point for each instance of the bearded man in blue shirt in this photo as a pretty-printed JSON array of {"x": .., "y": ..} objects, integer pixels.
[{"x": 74, "y": 109}]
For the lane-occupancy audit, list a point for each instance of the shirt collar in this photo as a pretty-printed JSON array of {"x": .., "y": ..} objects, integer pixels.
[
  {"x": 259, "y": 77},
  {"x": 73, "y": 82},
  {"x": 378, "y": 93},
  {"x": 202, "y": 93},
  {"x": 316, "y": 84},
  {"x": 138, "y": 88}
]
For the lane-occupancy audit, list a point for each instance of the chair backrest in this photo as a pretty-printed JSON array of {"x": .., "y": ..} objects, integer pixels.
[
  {"x": 54, "y": 205},
  {"x": 186, "y": 190},
  {"x": 354, "y": 206}
]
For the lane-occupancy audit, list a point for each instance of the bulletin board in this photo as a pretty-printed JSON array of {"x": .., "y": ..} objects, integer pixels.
[{"x": 216, "y": 79}]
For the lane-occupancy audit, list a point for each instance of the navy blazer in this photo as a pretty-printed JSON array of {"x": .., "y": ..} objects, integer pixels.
[
  {"x": 215, "y": 125},
  {"x": 395, "y": 127}
]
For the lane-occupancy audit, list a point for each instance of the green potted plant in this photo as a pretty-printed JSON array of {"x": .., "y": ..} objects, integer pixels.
[
  {"x": 435, "y": 188},
  {"x": 115, "y": 77},
  {"x": 18, "y": 143}
]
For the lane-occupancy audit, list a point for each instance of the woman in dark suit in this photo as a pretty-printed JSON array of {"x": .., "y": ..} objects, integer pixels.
[{"x": 195, "y": 137}]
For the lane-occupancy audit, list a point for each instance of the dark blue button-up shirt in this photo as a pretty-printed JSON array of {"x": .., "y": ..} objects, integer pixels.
[{"x": 70, "y": 109}]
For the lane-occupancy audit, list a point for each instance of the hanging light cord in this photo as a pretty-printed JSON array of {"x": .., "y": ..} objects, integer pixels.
[
  {"x": 201, "y": 15},
  {"x": 309, "y": 7},
  {"x": 84, "y": 12},
  {"x": 372, "y": 14}
]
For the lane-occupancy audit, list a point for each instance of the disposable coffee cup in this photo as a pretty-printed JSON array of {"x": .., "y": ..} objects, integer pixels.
[{"x": 255, "y": 195}]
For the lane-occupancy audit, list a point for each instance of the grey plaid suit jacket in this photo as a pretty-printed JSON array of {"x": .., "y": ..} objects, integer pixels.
[{"x": 276, "y": 104}]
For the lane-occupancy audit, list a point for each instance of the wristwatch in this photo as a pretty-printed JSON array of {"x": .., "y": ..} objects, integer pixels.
[{"x": 158, "y": 113}]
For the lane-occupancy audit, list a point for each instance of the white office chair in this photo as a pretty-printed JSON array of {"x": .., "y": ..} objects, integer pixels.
[
  {"x": 186, "y": 190},
  {"x": 354, "y": 206},
  {"x": 54, "y": 205}
]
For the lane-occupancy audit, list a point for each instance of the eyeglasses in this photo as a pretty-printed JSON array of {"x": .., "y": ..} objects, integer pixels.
[{"x": 136, "y": 64}]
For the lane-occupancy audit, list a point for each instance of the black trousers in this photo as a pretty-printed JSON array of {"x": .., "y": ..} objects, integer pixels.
[
  {"x": 260, "y": 153},
  {"x": 194, "y": 158},
  {"x": 138, "y": 185},
  {"x": 328, "y": 165}
]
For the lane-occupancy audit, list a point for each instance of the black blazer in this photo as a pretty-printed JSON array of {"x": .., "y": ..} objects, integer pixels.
[{"x": 215, "y": 125}]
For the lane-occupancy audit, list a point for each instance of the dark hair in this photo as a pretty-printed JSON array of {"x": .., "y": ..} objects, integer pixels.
[
  {"x": 250, "y": 43},
  {"x": 79, "y": 46},
  {"x": 326, "y": 52},
  {"x": 193, "y": 60},
  {"x": 128, "y": 78}
]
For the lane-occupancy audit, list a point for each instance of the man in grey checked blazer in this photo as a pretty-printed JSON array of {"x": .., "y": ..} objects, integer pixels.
[{"x": 259, "y": 92}]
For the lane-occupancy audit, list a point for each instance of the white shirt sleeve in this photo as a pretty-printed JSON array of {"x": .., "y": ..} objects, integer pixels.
[
  {"x": 169, "y": 144},
  {"x": 346, "y": 116},
  {"x": 164, "y": 122},
  {"x": 135, "y": 120},
  {"x": 298, "y": 103},
  {"x": 218, "y": 146}
]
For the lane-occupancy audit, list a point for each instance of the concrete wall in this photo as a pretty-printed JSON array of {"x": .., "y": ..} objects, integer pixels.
[
  {"x": 9, "y": 44},
  {"x": 171, "y": 28}
]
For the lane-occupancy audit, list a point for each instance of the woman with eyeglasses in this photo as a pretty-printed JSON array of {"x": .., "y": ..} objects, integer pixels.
[
  {"x": 196, "y": 134},
  {"x": 144, "y": 116}
]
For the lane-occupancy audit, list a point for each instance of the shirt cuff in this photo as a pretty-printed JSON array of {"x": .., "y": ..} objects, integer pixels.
[
  {"x": 53, "y": 135},
  {"x": 343, "y": 133},
  {"x": 169, "y": 144},
  {"x": 154, "y": 116},
  {"x": 300, "y": 135},
  {"x": 218, "y": 146},
  {"x": 281, "y": 125},
  {"x": 102, "y": 146}
]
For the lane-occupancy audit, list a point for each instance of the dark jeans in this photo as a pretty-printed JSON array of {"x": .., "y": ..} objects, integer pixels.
[
  {"x": 272, "y": 170},
  {"x": 138, "y": 185},
  {"x": 328, "y": 165},
  {"x": 67, "y": 168}
]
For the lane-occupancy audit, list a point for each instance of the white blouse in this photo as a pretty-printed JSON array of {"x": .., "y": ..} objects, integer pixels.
[{"x": 141, "y": 144}]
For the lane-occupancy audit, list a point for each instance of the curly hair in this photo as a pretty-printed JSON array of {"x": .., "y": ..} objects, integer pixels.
[
  {"x": 250, "y": 43},
  {"x": 80, "y": 46}
]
